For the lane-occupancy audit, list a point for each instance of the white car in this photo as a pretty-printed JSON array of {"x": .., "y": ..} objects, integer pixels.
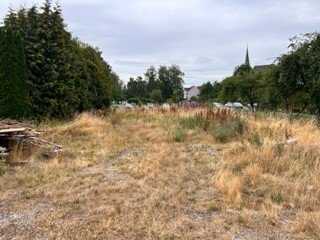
[
  {"x": 235, "y": 105},
  {"x": 128, "y": 105},
  {"x": 218, "y": 105},
  {"x": 229, "y": 105}
]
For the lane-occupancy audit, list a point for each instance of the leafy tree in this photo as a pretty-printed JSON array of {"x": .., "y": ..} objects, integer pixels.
[
  {"x": 242, "y": 70},
  {"x": 291, "y": 78},
  {"x": 269, "y": 96},
  {"x": 165, "y": 84},
  {"x": 171, "y": 82},
  {"x": 249, "y": 86},
  {"x": 151, "y": 78},
  {"x": 206, "y": 92},
  {"x": 307, "y": 48},
  {"x": 117, "y": 88},
  {"x": 229, "y": 90},
  {"x": 137, "y": 88}
]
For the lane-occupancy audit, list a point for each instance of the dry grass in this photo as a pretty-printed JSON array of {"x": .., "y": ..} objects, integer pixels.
[
  {"x": 308, "y": 223},
  {"x": 164, "y": 174}
]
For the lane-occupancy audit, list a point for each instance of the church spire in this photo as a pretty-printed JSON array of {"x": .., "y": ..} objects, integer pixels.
[{"x": 247, "y": 62}]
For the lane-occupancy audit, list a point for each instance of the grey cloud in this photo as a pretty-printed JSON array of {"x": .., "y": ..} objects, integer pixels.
[{"x": 207, "y": 38}]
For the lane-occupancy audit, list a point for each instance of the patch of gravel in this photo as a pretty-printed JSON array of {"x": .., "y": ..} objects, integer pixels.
[
  {"x": 197, "y": 215},
  {"x": 203, "y": 148},
  {"x": 13, "y": 224},
  {"x": 109, "y": 171},
  {"x": 249, "y": 234},
  {"x": 127, "y": 154}
]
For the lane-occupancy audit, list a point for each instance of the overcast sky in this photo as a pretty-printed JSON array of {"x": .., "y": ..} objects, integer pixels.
[{"x": 207, "y": 38}]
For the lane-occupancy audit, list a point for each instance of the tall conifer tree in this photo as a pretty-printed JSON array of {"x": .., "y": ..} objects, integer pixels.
[{"x": 13, "y": 88}]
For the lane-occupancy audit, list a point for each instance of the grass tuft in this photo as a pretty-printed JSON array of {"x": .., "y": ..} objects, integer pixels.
[{"x": 179, "y": 135}]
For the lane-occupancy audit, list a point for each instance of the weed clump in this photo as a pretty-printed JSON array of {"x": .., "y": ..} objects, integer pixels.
[
  {"x": 179, "y": 135},
  {"x": 277, "y": 197},
  {"x": 194, "y": 122},
  {"x": 222, "y": 124},
  {"x": 115, "y": 118},
  {"x": 225, "y": 131},
  {"x": 256, "y": 140}
]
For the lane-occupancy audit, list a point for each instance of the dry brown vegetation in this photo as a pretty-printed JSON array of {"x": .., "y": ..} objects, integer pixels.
[{"x": 161, "y": 174}]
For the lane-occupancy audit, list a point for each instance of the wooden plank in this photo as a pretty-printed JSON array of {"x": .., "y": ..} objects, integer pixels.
[{"x": 12, "y": 130}]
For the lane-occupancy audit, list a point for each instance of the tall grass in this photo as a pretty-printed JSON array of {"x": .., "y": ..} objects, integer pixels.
[{"x": 223, "y": 124}]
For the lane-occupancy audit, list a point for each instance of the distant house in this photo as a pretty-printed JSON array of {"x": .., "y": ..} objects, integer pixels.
[{"x": 191, "y": 92}]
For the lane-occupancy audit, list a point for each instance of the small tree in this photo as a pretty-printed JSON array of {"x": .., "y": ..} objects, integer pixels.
[
  {"x": 249, "y": 86},
  {"x": 206, "y": 92}
]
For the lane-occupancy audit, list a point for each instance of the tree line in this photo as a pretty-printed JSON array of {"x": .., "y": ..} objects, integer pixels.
[
  {"x": 47, "y": 73},
  {"x": 291, "y": 84},
  {"x": 164, "y": 84}
]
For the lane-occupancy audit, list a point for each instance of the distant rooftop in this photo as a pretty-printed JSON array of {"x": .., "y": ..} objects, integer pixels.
[
  {"x": 189, "y": 88},
  {"x": 261, "y": 68}
]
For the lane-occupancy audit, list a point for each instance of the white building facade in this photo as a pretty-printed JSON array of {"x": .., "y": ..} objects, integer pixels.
[{"x": 191, "y": 92}]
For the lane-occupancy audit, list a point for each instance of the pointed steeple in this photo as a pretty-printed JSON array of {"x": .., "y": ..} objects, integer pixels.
[{"x": 247, "y": 62}]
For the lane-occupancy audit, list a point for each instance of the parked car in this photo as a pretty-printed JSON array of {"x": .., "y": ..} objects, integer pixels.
[
  {"x": 218, "y": 105},
  {"x": 234, "y": 105},
  {"x": 238, "y": 105}
]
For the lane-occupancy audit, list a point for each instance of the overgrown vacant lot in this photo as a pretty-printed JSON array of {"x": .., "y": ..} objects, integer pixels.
[{"x": 197, "y": 174}]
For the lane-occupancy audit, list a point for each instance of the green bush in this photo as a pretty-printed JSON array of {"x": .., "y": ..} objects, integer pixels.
[
  {"x": 277, "y": 197},
  {"x": 225, "y": 131},
  {"x": 179, "y": 135},
  {"x": 136, "y": 101},
  {"x": 223, "y": 127}
]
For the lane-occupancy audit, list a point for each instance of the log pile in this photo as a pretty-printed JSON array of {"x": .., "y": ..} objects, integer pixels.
[{"x": 20, "y": 137}]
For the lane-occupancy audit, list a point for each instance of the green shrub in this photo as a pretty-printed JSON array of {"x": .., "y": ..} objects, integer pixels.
[
  {"x": 179, "y": 135},
  {"x": 222, "y": 134},
  {"x": 277, "y": 197},
  {"x": 223, "y": 125},
  {"x": 136, "y": 101},
  {"x": 225, "y": 131}
]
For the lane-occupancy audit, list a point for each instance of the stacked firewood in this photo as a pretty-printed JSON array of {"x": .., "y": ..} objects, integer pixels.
[{"x": 16, "y": 135}]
